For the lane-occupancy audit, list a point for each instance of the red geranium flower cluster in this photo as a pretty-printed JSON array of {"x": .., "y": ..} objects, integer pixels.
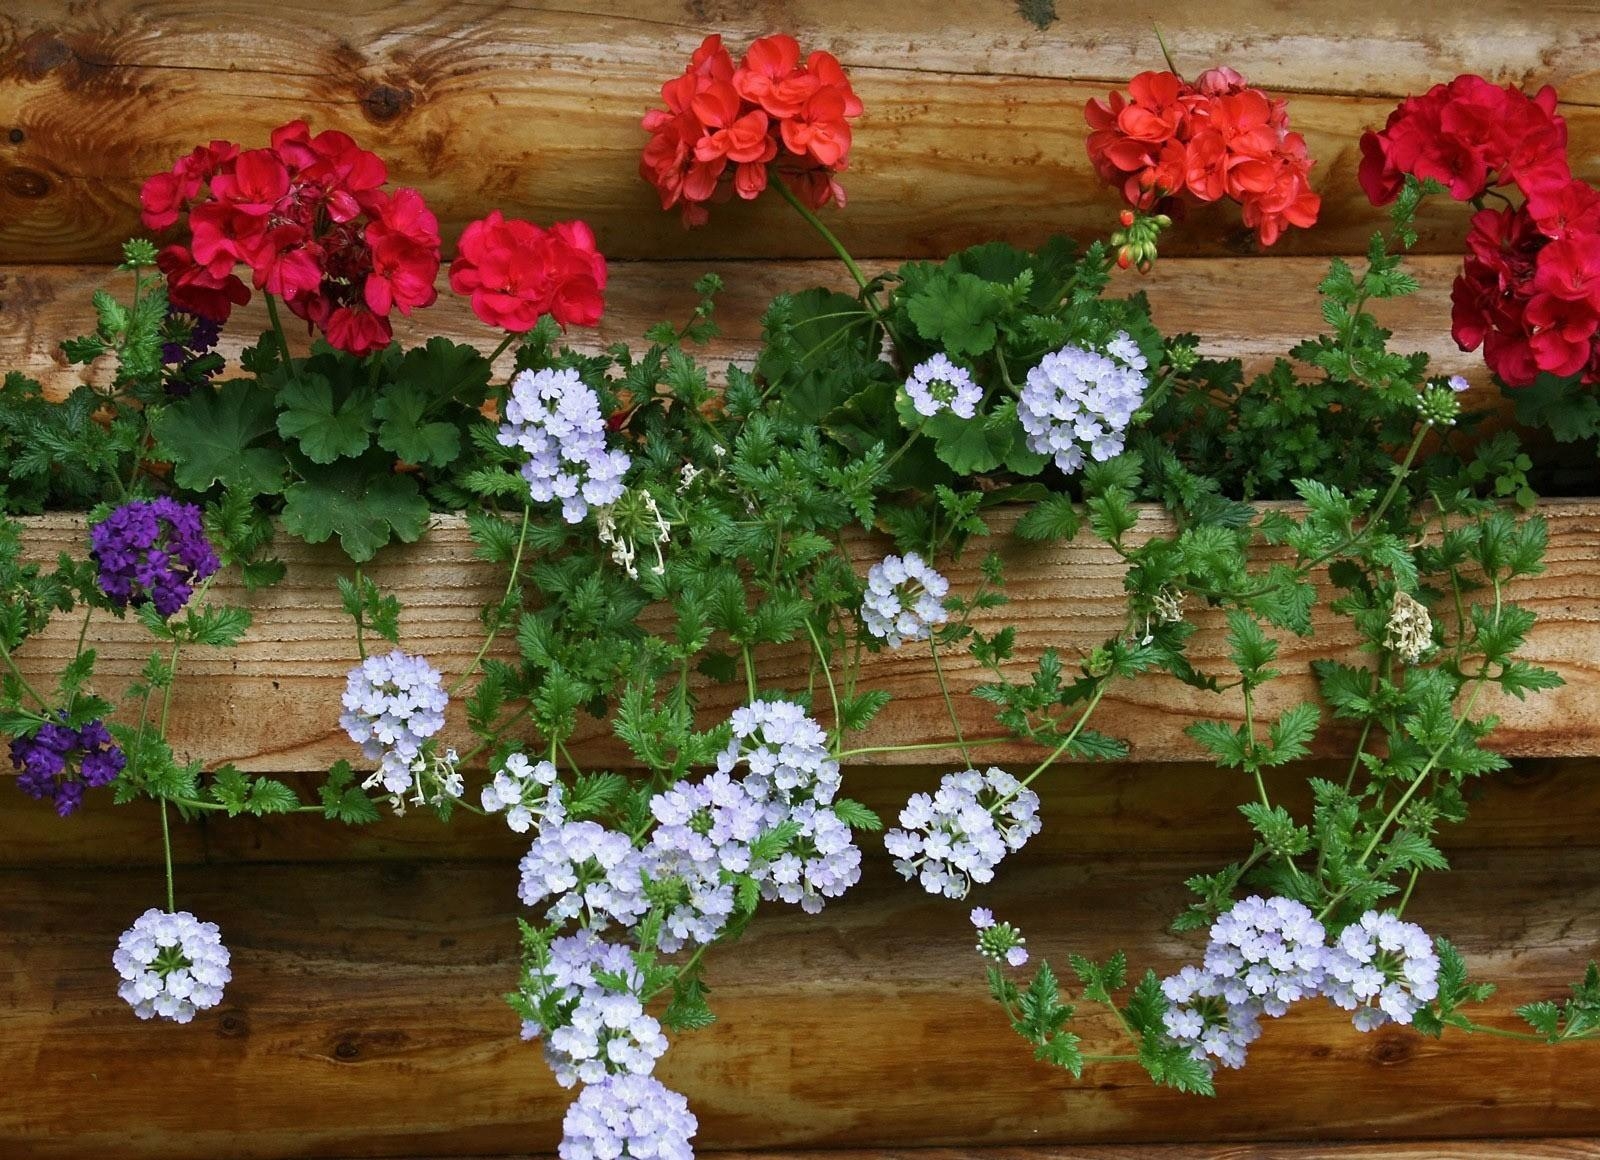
[
  {"x": 309, "y": 217},
  {"x": 1166, "y": 139},
  {"x": 724, "y": 126},
  {"x": 514, "y": 271},
  {"x": 1529, "y": 291}
]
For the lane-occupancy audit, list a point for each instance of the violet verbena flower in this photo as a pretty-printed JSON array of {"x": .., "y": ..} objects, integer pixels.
[
  {"x": 393, "y": 703},
  {"x": 58, "y": 762},
  {"x": 525, "y": 791},
  {"x": 938, "y": 384},
  {"x": 555, "y": 417},
  {"x": 961, "y": 833},
  {"x": 904, "y": 600},
  {"x": 1383, "y": 969},
  {"x": 701, "y": 840},
  {"x": 792, "y": 778},
  {"x": 593, "y": 874},
  {"x": 1077, "y": 403},
  {"x": 999, "y": 941},
  {"x": 152, "y": 550},
  {"x": 596, "y": 1029},
  {"x": 172, "y": 965},
  {"x": 202, "y": 334},
  {"x": 628, "y": 1115}
]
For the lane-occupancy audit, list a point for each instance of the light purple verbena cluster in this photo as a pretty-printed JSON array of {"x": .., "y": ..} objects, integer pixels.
[
  {"x": 593, "y": 874},
  {"x": 937, "y": 384},
  {"x": 57, "y": 763},
  {"x": 792, "y": 779},
  {"x": 999, "y": 941},
  {"x": 597, "y": 1029},
  {"x": 393, "y": 704},
  {"x": 904, "y": 600},
  {"x": 555, "y": 417},
  {"x": 764, "y": 818},
  {"x": 172, "y": 965},
  {"x": 1265, "y": 954},
  {"x": 1077, "y": 403},
  {"x": 959, "y": 834},
  {"x": 152, "y": 551},
  {"x": 1383, "y": 969},
  {"x": 628, "y": 1115},
  {"x": 525, "y": 791}
]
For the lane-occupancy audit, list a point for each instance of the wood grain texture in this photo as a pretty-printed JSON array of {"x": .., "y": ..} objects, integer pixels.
[
  {"x": 1165, "y": 810},
  {"x": 973, "y": 127},
  {"x": 363, "y": 1020},
  {"x": 1246, "y": 308},
  {"x": 271, "y": 704},
  {"x": 1571, "y": 1148}
]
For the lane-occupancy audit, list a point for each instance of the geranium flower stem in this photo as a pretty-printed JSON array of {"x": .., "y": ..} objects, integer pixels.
[
  {"x": 283, "y": 338},
  {"x": 827, "y": 235}
]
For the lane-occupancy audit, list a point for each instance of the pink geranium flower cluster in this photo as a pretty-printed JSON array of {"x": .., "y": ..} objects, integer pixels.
[
  {"x": 1529, "y": 290},
  {"x": 310, "y": 219}
]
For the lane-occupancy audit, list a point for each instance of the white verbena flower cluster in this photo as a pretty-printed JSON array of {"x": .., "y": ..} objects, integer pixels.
[
  {"x": 554, "y": 416},
  {"x": 1077, "y": 403},
  {"x": 172, "y": 965},
  {"x": 1265, "y": 954},
  {"x": 525, "y": 791},
  {"x": 937, "y": 384},
  {"x": 393, "y": 704},
  {"x": 904, "y": 600},
  {"x": 959, "y": 834}
]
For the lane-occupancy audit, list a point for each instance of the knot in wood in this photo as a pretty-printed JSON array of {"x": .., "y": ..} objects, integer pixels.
[
  {"x": 15, "y": 136},
  {"x": 347, "y": 1050},
  {"x": 233, "y": 1025},
  {"x": 1390, "y": 1050},
  {"x": 42, "y": 53},
  {"x": 386, "y": 102},
  {"x": 29, "y": 183}
]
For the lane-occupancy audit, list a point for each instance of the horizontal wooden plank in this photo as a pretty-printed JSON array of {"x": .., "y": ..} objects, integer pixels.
[
  {"x": 1571, "y": 1148},
  {"x": 363, "y": 1019},
  {"x": 1166, "y": 810},
  {"x": 1242, "y": 308},
  {"x": 973, "y": 126},
  {"x": 272, "y": 704}
]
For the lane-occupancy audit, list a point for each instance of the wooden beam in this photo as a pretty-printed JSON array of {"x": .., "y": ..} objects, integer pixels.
[
  {"x": 363, "y": 1018},
  {"x": 973, "y": 128}
]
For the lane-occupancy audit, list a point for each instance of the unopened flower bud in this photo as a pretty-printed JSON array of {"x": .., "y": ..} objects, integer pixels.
[
  {"x": 1126, "y": 218},
  {"x": 1439, "y": 405}
]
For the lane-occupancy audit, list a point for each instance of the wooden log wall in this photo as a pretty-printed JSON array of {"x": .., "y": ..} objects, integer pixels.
[{"x": 363, "y": 1019}]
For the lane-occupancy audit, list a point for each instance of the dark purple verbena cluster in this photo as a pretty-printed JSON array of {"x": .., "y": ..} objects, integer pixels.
[
  {"x": 58, "y": 762},
  {"x": 152, "y": 550},
  {"x": 187, "y": 356}
]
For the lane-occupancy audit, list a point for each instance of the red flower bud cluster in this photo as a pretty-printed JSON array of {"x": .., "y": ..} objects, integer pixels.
[
  {"x": 725, "y": 127},
  {"x": 309, "y": 217},
  {"x": 1165, "y": 140},
  {"x": 1529, "y": 290},
  {"x": 514, "y": 271}
]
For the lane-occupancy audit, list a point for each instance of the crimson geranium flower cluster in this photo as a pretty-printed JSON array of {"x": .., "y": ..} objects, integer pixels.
[
  {"x": 311, "y": 219},
  {"x": 725, "y": 125},
  {"x": 1166, "y": 140},
  {"x": 1529, "y": 291}
]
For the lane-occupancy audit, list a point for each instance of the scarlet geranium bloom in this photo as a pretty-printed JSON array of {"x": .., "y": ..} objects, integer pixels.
[
  {"x": 514, "y": 272},
  {"x": 726, "y": 127},
  {"x": 1165, "y": 141},
  {"x": 1529, "y": 289},
  {"x": 309, "y": 216}
]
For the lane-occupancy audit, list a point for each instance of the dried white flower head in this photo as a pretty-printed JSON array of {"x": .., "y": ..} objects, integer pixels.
[
  {"x": 623, "y": 524},
  {"x": 1409, "y": 633}
]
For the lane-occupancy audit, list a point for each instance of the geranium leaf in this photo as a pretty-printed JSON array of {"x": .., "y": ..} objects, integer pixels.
[
  {"x": 326, "y": 429},
  {"x": 363, "y": 511},
  {"x": 212, "y": 437}
]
